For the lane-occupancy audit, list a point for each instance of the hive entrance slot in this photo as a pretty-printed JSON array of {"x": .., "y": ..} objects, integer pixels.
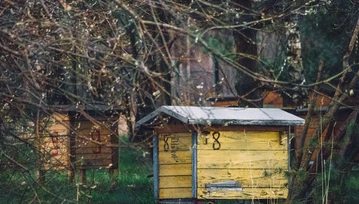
[{"x": 225, "y": 185}]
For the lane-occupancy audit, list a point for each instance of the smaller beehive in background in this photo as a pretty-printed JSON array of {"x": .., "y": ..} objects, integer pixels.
[
  {"x": 80, "y": 139},
  {"x": 96, "y": 143}
]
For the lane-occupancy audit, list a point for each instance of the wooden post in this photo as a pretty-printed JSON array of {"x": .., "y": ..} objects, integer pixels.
[
  {"x": 71, "y": 175},
  {"x": 83, "y": 176},
  {"x": 114, "y": 169},
  {"x": 72, "y": 147},
  {"x": 40, "y": 173},
  {"x": 288, "y": 148},
  {"x": 194, "y": 164},
  {"x": 155, "y": 167},
  {"x": 72, "y": 157},
  {"x": 113, "y": 175},
  {"x": 40, "y": 176}
]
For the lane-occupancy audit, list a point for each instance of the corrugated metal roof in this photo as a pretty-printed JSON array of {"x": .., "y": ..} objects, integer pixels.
[{"x": 225, "y": 116}]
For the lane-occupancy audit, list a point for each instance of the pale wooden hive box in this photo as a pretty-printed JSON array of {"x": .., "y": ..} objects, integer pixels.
[
  {"x": 73, "y": 139},
  {"x": 204, "y": 153}
]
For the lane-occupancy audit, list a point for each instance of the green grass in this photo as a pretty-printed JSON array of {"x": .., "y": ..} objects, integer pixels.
[
  {"x": 130, "y": 185},
  {"x": 133, "y": 185},
  {"x": 353, "y": 186}
]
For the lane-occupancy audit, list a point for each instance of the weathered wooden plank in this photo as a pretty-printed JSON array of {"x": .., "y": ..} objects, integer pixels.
[
  {"x": 175, "y": 181},
  {"x": 88, "y": 139},
  {"x": 87, "y": 127},
  {"x": 243, "y": 159},
  {"x": 240, "y": 173},
  {"x": 155, "y": 167},
  {"x": 229, "y": 103},
  {"x": 94, "y": 157},
  {"x": 90, "y": 148},
  {"x": 181, "y": 135},
  {"x": 104, "y": 148},
  {"x": 246, "y": 193},
  {"x": 173, "y": 157},
  {"x": 175, "y": 169},
  {"x": 246, "y": 128},
  {"x": 187, "y": 129},
  {"x": 273, "y": 100},
  {"x": 89, "y": 157},
  {"x": 246, "y": 178},
  {"x": 86, "y": 130},
  {"x": 244, "y": 141},
  {"x": 175, "y": 142},
  {"x": 194, "y": 164},
  {"x": 175, "y": 193},
  {"x": 175, "y": 128}
]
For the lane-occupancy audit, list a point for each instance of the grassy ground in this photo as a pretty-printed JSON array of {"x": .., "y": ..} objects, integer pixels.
[{"x": 131, "y": 185}]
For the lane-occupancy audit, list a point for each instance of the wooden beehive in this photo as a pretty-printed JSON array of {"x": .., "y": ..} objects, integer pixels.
[
  {"x": 203, "y": 153},
  {"x": 80, "y": 139},
  {"x": 96, "y": 143}
]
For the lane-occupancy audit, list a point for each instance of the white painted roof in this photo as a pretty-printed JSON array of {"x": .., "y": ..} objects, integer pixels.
[{"x": 225, "y": 116}]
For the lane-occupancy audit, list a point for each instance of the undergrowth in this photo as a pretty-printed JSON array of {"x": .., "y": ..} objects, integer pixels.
[{"x": 131, "y": 185}]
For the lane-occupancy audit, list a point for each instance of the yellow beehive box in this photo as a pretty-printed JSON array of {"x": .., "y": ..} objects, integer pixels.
[{"x": 205, "y": 153}]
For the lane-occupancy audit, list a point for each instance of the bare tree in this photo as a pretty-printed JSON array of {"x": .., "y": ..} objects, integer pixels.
[{"x": 137, "y": 55}]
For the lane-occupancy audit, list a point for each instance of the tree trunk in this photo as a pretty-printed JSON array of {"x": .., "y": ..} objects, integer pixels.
[
  {"x": 295, "y": 66},
  {"x": 308, "y": 117},
  {"x": 245, "y": 41}
]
